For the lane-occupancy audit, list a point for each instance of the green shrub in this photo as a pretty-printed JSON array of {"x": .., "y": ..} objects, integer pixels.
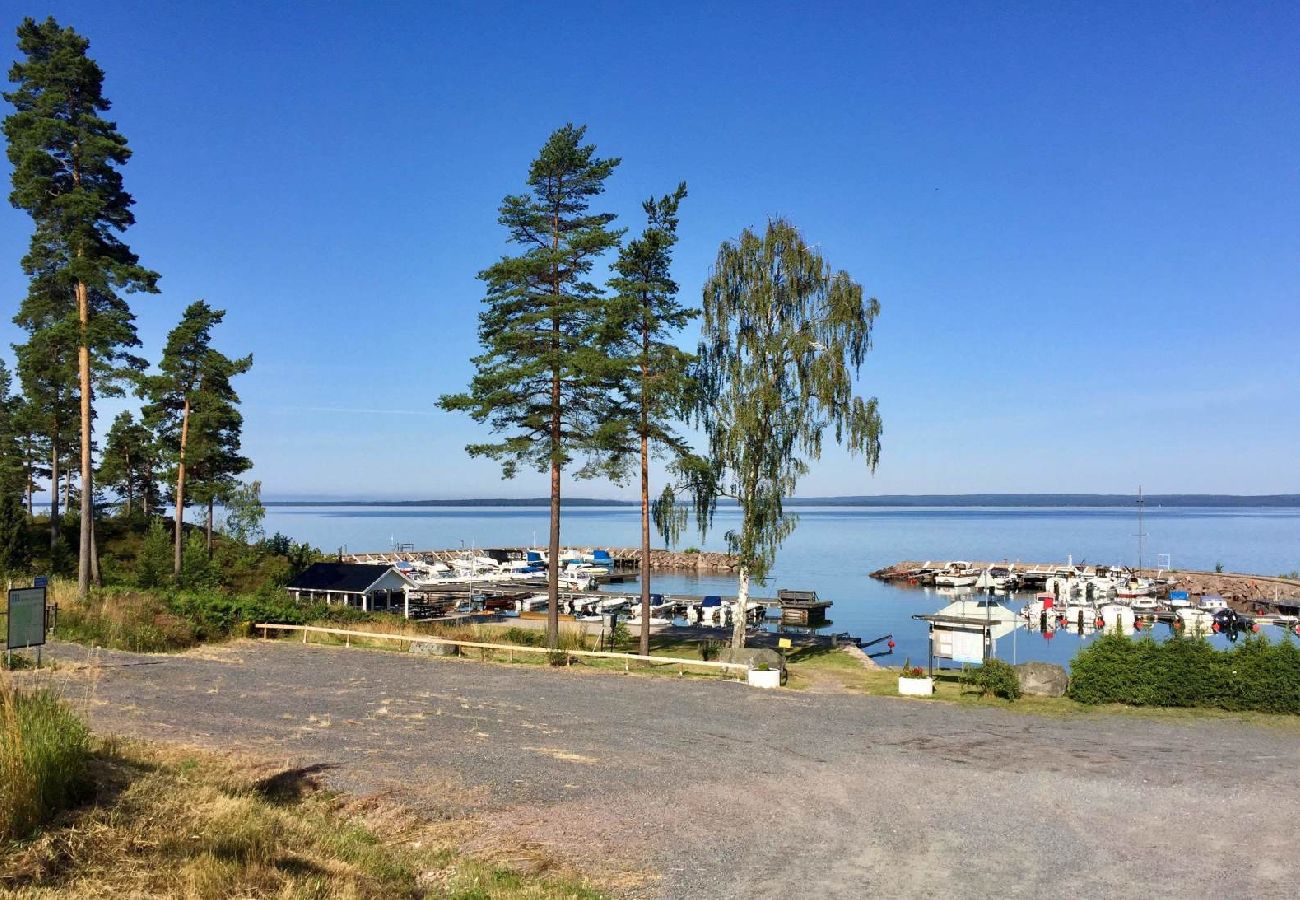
[
  {"x": 44, "y": 760},
  {"x": 153, "y": 565},
  {"x": 995, "y": 677},
  {"x": 1188, "y": 672}
]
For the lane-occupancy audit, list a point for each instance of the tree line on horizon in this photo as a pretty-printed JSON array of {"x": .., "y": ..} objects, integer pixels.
[
  {"x": 587, "y": 377},
  {"x": 81, "y": 342}
]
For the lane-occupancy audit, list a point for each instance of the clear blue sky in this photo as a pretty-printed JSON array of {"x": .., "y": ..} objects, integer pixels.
[{"x": 1081, "y": 219}]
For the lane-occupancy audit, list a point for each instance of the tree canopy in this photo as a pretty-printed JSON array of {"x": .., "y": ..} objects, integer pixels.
[{"x": 782, "y": 341}]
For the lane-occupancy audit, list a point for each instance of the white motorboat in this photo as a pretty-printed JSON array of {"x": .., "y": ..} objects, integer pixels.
[
  {"x": 655, "y": 621},
  {"x": 1212, "y": 603},
  {"x": 1144, "y": 605},
  {"x": 996, "y": 578},
  {"x": 1042, "y": 603},
  {"x": 957, "y": 573},
  {"x": 987, "y": 609},
  {"x": 1116, "y": 617},
  {"x": 532, "y": 604},
  {"x": 1135, "y": 587},
  {"x": 1195, "y": 621}
]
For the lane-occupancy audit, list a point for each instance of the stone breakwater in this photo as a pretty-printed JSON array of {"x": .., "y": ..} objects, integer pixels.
[
  {"x": 676, "y": 561},
  {"x": 626, "y": 559},
  {"x": 1246, "y": 590}
]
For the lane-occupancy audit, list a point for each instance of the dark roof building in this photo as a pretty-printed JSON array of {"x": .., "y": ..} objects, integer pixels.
[{"x": 365, "y": 585}]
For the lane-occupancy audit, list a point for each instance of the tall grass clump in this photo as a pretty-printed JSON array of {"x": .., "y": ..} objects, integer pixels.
[
  {"x": 44, "y": 760},
  {"x": 1253, "y": 675}
]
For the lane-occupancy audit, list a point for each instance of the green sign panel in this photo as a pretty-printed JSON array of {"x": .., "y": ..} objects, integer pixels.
[{"x": 26, "y": 618}]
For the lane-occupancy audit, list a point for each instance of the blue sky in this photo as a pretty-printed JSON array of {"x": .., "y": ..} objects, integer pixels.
[{"x": 1080, "y": 219}]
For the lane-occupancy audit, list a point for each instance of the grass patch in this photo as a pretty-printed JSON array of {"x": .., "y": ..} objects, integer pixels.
[
  {"x": 44, "y": 759},
  {"x": 175, "y": 823}
]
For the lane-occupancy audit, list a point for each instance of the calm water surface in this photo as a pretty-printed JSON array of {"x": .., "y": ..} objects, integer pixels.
[{"x": 833, "y": 549}]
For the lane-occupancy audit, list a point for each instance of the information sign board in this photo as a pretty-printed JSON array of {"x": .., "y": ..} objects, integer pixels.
[{"x": 26, "y": 618}]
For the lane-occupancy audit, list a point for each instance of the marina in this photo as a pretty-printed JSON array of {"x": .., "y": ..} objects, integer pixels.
[{"x": 834, "y": 550}]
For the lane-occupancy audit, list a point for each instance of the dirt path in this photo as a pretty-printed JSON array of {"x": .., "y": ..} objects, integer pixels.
[{"x": 731, "y": 792}]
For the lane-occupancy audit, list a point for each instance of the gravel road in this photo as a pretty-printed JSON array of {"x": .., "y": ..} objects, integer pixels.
[{"x": 724, "y": 791}]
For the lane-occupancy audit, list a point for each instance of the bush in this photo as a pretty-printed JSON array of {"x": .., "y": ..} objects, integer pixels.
[
  {"x": 995, "y": 677},
  {"x": 1188, "y": 672},
  {"x": 153, "y": 565},
  {"x": 44, "y": 760}
]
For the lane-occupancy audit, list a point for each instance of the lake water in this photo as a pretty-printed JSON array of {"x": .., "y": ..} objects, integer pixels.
[{"x": 834, "y": 548}]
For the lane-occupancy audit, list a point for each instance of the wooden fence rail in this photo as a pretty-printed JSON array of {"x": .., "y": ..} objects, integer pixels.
[{"x": 627, "y": 658}]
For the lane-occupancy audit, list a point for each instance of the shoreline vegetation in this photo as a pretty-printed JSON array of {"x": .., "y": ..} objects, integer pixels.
[{"x": 955, "y": 501}]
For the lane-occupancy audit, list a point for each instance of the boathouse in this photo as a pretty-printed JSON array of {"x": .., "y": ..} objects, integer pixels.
[{"x": 363, "y": 585}]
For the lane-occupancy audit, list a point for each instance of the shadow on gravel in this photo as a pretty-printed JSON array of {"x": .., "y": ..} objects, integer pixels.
[{"x": 291, "y": 785}]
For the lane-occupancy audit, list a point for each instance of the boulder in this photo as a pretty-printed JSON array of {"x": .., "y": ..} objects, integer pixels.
[
  {"x": 1040, "y": 679},
  {"x": 435, "y": 649},
  {"x": 752, "y": 657}
]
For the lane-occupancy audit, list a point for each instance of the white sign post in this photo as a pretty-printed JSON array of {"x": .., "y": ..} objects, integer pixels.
[{"x": 26, "y": 620}]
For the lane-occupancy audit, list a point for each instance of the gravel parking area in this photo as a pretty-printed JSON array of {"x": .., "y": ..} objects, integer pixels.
[{"x": 725, "y": 791}]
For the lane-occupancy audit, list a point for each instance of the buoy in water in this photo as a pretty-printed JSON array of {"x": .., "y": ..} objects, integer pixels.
[
  {"x": 890, "y": 645},
  {"x": 1215, "y": 627},
  {"x": 1254, "y": 626}
]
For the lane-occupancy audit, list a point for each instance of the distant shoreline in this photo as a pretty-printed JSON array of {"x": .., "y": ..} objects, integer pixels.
[{"x": 954, "y": 501}]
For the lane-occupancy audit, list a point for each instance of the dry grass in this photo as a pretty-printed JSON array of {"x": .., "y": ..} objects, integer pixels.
[{"x": 177, "y": 823}]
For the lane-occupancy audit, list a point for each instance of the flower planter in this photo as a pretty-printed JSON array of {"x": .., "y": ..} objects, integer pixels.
[
  {"x": 915, "y": 687},
  {"x": 760, "y": 678}
]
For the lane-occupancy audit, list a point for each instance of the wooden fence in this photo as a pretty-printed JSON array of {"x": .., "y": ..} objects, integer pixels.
[{"x": 511, "y": 649}]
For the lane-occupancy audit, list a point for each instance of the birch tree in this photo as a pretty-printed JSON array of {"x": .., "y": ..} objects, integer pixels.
[{"x": 782, "y": 340}]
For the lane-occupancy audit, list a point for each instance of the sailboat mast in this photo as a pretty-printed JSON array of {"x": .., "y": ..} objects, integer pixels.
[{"x": 1141, "y": 534}]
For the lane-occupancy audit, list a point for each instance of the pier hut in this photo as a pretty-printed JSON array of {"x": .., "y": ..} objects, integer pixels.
[
  {"x": 368, "y": 586},
  {"x": 802, "y": 608}
]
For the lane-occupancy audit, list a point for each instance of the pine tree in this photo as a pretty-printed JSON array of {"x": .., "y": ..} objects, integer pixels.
[
  {"x": 187, "y": 396},
  {"x": 216, "y": 429},
  {"x": 128, "y": 464},
  {"x": 644, "y": 314},
  {"x": 66, "y": 159},
  {"x": 543, "y": 381}
]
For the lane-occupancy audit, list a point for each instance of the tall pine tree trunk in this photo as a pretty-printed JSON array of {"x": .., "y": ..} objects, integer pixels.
[
  {"x": 87, "y": 489},
  {"x": 180, "y": 489},
  {"x": 211, "y": 503},
  {"x": 645, "y": 498},
  {"x": 54, "y": 492},
  {"x": 553, "y": 577}
]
